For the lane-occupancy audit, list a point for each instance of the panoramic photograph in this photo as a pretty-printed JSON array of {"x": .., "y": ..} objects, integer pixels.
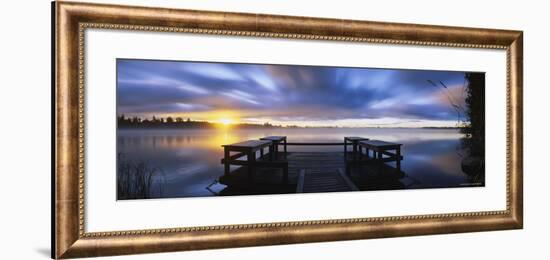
[{"x": 201, "y": 129}]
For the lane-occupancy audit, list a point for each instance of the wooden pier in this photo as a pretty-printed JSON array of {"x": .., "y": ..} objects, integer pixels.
[
  {"x": 320, "y": 180},
  {"x": 381, "y": 149},
  {"x": 275, "y": 142},
  {"x": 354, "y": 142},
  {"x": 277, "y": 172},
  {"x": 249, "y": 150}
]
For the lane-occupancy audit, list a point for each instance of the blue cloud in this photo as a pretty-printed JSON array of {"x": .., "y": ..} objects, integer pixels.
[{"x": 287, "y": 91}]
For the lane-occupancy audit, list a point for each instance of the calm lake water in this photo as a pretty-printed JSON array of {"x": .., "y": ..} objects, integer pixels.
[{"x": 189, "y": 159}]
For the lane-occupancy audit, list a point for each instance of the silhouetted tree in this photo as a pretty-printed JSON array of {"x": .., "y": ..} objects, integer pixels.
[
  {"x": 121, "y": 120},
  {"x": 474, "y": 164},
  {"x": 475, "y": 112}
]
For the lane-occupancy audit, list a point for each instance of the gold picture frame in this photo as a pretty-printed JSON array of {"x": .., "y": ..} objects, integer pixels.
[{"x": 72, "y": 19}]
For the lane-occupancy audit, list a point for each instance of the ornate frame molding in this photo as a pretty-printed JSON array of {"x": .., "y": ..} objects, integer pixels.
[{"x": 71, "y": 21}]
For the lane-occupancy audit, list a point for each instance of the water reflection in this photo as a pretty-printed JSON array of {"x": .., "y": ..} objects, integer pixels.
[{"x": 190, "y": 159}]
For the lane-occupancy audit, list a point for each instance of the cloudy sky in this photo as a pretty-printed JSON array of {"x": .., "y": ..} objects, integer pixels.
[{"x": 289, "y": 94}]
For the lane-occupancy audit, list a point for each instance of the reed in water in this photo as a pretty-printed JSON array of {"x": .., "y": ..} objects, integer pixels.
[{"x": 134, "y": 179}]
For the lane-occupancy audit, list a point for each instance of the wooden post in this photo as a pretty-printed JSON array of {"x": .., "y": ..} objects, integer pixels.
[
  {"x": 251, "y": 158},
  {"x": 398, "y": 161},
  {"x": 354, "y": 150},
  {"x": 226, "y": 160},
  {"x": 285, "y": 174},
  {"x": 262, "y": 152},
  {"x": 345, "y": 148},
  {"x": 285, "y": 146},
  {"x": 276, "y": 147}
]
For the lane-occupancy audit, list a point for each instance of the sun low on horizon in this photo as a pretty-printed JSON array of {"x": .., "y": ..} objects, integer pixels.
[
  {"x": 226, "y": 121},
  {"x": 223, "y": 118}
]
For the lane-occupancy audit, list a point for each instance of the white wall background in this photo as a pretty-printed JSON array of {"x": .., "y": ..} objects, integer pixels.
[{"x": 25, "y": 144}]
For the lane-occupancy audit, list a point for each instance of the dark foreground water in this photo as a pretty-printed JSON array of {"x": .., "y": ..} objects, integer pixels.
[{"x": 188, "y": 160}]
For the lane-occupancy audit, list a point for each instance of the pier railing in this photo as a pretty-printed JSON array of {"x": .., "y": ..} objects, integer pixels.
[
  {"x": 248, "y": 149},
  {"x": 318, "y": 144}
]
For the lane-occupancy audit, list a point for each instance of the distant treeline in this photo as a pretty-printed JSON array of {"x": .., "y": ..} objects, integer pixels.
[
  {"x": 443, "y": 127},
  {"x": 177, "y": 122}
]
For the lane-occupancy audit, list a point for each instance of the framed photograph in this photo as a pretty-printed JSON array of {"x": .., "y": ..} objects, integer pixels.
[{"x": 184, "y": 130}]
